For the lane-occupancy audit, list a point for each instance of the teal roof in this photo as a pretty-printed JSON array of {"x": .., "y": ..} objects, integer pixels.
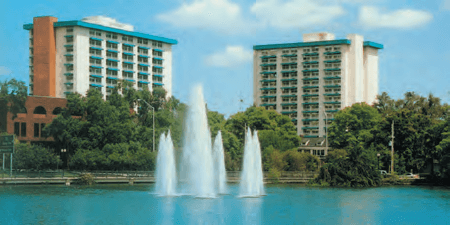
[
  {"x": 302, "y": 44},
  {"x": 373, "y": 45},
  {"x": 107, "y": 29}
]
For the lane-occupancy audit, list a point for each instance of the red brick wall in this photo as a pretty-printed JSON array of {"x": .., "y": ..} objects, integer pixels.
[{"x": 30, "y": 119}]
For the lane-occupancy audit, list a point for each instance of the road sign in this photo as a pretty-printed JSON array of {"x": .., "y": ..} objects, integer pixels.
[{"x": 7, "y": 144}]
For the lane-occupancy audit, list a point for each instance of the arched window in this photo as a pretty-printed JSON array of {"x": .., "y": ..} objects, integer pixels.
[
  {"x": 40, "y": 110},
  {"x": 57, "y": 111}
]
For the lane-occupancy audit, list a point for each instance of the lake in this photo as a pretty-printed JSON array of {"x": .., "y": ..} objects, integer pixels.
[{"x": 284, "y": 204}]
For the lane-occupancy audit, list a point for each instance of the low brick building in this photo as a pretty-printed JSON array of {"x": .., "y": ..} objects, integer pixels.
[{"x": 38, "y": 112}]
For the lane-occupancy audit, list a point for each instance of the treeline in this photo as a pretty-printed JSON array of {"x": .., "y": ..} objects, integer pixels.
[
  {"x": 360, "y": 132},
  {"x": 117, "y": 134}
]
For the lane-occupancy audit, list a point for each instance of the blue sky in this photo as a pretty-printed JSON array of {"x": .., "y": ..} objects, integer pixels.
[{"x": 216, "y": 38}]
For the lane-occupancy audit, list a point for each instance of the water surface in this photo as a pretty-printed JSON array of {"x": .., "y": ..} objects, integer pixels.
[{"x": 284, "y": 204}]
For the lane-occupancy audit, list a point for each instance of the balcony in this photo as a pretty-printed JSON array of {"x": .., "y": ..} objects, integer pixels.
[
  {"x": 268, "y": 56},
  {"x": 335, "y": 102},
  {"x": 314, "y": 111},
  {"x": 332, "y": 69},
  {"x": 269, "y": 64},
  {"x": 309, "y": 87},
  {"x": 332, "y": 53},
  {"x": 288, "y": 112},
  {"x": 331, "y": 77},
  {"x": 289, "y": 103},
  {"x": 268, "y": 96},
  {"x": 311, "y": 119},
  {"x": 312, "y": 70},
  {"x": 332, "y": 86},
  {"x": 268, "y": 104},
  {"x": 268, "y": 88},
  {"x": 311, "y": 54},
  {"x": 271, "y": 80},
  {"x": 311, "y": 78},
  {"x": 332, "y": 94},
  {"x": 290, "y": 79}
]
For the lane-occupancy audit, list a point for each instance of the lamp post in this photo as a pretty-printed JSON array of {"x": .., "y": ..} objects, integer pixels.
[
  {"x": 378, "y": 155},
  {"x": 326, "y": 131},
  {"x": 153, "y": 122}
]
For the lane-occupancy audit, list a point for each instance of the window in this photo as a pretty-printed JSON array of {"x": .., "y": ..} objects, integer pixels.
[
  {"x": 92, "y": 32},
  {"x": 17, "y": 128},
  {"x": 95, "y": 42},
  {"x": 36, "y": 130},
  {"x": 111, "y": 63},
  {"x": 111, "y": 35},
  {"x": 306, "y": 50},
  {"x": 95, "y": 61},
  {"x": 142, "y": 41},
  {"x": 157, "y": 70},
  {"x": 69, "y": 67},
  {"x": 69, "y": 29},
  {"x": 127, "y": 48},
  {"x": 143, "y": 51},
  {"x": 127, "y": 57},
  {"x": 23, "y": 129},
  {"x": 69, "y": 58},
  {"x": 95, "y": 52},
  {"x": 69, "y": 39},
  {"x": 111, "y": 45},
  {"x": 285, "y": 51},
  {"x": 111, "y": 81},
  {"x": 127, "y": 66},
  {"x": 94, "y": 70},
  {"x": 157, "y": 61},
  {"x": 111, "y": 72},
  {"x": 265, "y": 60},
  {"x": 142, "y": 77},
  {"x": 157, "y": 44},
  {"x": 285, "y": 67},
  {"x": 112, "y": 55},
  {"x": 143, "y": 68},
  {"x": 95, "y": 79},
  {"x": 157, "y": 79},
  {"x": 127, "y": 74},
  {"x": 42, "y": 128},
  {"x": 98, "y": 33},
  {"x": 141, "y": 85},
  {"x": 69, "y": 49},
  {"x": 157, "y": 53},
  {"x": 127, "y": 38},
  {"x": 142, "y": 59}
]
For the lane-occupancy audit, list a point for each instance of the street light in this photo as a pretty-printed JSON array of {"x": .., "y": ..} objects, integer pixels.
[
  {"x": 153, "y": 122},
  {"x": 378, "y": 155}
]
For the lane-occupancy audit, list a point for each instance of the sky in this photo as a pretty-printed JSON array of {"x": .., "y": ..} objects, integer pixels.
[{"x": 216, "y": 37}]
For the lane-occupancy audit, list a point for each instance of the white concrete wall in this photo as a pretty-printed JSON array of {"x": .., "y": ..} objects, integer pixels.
[
  {"x": 81, "y": 60},
  {"x": 60, "y": 69},
  {"x": 371, "y": 74},
  {"x": 356, "y": 69},
  {"x": 167, "y": 69}
]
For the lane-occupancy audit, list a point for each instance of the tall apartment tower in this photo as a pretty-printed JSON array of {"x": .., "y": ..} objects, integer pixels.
[
  {"x": 75, "y": 56},
  {"x": 310, "y": 81}
]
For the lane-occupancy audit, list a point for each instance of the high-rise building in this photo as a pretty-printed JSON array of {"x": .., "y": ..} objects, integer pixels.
[
  {"x": 97, "y": 52},
  {"x": 310, "y": 81}
]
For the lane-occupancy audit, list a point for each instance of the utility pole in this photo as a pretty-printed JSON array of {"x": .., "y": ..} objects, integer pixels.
[{"x": 392, "y": 149}]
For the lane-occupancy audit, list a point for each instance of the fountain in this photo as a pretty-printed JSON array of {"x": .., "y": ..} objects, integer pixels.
[
  {"x": 166, "y": 178},
  {"x": 219, "y": 165},
  {"x": 201, "y": 170},
  {"x": 197, "y": 161},
  {"x": 251, "y": 184}
]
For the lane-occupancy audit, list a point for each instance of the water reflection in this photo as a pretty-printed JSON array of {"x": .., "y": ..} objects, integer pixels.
[
  {"x": 251, "y": 210},
  {"x": 166, "y": 204}
]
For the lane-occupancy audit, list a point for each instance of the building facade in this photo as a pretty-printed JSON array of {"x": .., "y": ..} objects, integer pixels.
[
  {"x": 38, "y": 111},
  {"x": 310, "y": 81},
  {"x": 75, "y": 56}
]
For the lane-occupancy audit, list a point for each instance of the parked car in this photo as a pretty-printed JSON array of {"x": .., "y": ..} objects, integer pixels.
[
  {"x": 383, "y": 172},
  {"x": 411, "y": 175}
]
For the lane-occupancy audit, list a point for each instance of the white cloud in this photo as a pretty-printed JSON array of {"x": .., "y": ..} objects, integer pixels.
[
  {"x": 445, "y": 5},
  {"x": 295, "y": 13},
  {"x": 4, "y": 70},
  {"x": 221, "y": 15},
  {"x": 109, "y": 22},
  {"x": 371, "y": 17},
  {"x": 232, "y": 56}
]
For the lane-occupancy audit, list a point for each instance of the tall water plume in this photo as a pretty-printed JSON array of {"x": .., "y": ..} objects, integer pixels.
[
  {"x": 197, "y": 168},
  {"x": 251, "y": 184},
  {"x": 166, "y": 178},
  {"x": 219, "y": 165}
]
